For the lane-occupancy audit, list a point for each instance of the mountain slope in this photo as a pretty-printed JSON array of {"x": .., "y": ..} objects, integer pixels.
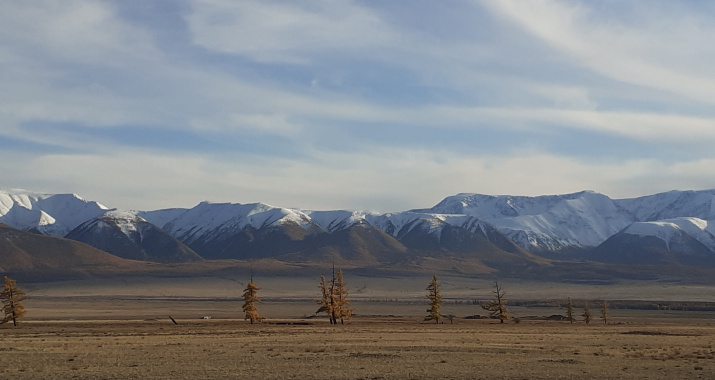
[
  {"x": 207, "y": 220},
  {"x": 127, "y": 235},
  {"x": 36, "y": 256},
  {"x": 687, "y": 241},
  {"x": 544, "y": 223},
  {"x": 357, "y": 244},
  {"x": 672, "y": 204}
]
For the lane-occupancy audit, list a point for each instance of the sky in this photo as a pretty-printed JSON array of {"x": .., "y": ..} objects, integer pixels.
[{"x": 360, "y": 105}]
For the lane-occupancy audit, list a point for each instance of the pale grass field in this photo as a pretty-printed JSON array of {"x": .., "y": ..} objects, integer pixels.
[
  {"x": 107, "y": 330},
  {"x": 364, "y": 348}
]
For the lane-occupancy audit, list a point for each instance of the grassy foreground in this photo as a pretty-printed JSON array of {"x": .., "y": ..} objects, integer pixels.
[
  {"x": 120, "y": 329},
  {"x": 366, "y": 348}
]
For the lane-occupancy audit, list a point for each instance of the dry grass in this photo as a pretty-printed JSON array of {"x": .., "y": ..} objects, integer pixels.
[{"x": 365, "y": 348}]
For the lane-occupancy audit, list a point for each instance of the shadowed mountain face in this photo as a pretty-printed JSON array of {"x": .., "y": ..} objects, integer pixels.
[
  {"x": 251, "y": 243},
  {"x": 630, "y": 249},
  {"x": 358, "y": 244},
  {"x": 31, "y": 255}
]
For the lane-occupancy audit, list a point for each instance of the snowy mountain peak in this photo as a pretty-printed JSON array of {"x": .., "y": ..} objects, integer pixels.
[
  {"x": 123, "y": 215},
  {"x": 215, "y": 218},
  {"x": 332, "y": 221},
  {"x": 52, "y": 214}
]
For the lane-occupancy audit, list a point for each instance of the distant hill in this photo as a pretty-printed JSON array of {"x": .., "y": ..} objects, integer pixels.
[{"x": 30, "y": 255}]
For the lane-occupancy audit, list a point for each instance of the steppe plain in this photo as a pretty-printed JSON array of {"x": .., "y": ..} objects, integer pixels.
[{"x": 120, "y": 328}]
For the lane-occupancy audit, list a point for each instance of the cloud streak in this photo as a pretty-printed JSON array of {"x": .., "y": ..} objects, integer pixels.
[
  {"x": 659, "y": 46},
  {"x": 357, "y": 105}
]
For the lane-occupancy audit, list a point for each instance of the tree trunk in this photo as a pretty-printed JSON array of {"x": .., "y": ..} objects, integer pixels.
[{"x": 14, "y": 317}]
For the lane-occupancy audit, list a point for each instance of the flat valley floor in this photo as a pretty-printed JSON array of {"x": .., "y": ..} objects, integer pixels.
[
  {"x": 364, "y": 348},
  {"x": 120, "y": 335}
]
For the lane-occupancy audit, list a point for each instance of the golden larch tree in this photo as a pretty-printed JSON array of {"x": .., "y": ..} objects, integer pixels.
[
  {"x": 586, "y": 313},
  {"x": 497, "y": 306},
  {"x": 341, "y": 304},
  {"x": 326, "y": 300},
  {"x": 334, "y": 298},
  {"x": 569, "y": 311},
  {"x": 435, "y": 301},
  {"x": 12, "y": 298},
  {"x": 604, "y": 312},
  {"x": 250, "y": 297}
]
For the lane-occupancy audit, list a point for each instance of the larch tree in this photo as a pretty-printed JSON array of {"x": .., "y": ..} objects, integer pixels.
[
  {"x": 569, "y": 311},
  {"x": 250, "y": 297},
  {"x": 334, "y": 299},
  {"x": 326, "y": 300},
  {"x": 341, "y": 304},
  {"x": 435, "y": 301},
  {"x": 12, "y": 298},
  {"x": 604, "y": 312},
  {"x": 586, "y": 313},
  {"x": 497, "y": 306}
]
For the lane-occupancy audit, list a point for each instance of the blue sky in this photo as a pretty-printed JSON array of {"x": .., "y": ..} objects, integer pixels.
[{"x": 374, "y": 105}]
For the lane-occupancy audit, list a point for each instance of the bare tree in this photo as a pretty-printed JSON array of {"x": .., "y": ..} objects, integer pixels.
[
  {"x": 604, "y": 312},
  {"x": 497, "y": 306},
  {"x": 12, "y": 298},
  {"x": 569, "y": 311},
  {"x": 586, "y": 313},
  {"x": 250, "y": 297},
  {"x": 435, "y": 300}
]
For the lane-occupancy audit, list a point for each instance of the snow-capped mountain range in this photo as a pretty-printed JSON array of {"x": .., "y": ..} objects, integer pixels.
[{"x": 680, "y": 222}]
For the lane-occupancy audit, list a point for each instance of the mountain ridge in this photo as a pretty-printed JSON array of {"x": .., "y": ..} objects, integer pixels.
[{"x": 493, "y": 231}]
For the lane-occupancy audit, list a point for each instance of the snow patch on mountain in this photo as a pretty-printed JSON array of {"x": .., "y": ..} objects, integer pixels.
[
  {"x": 670, "y": 229},
  {"x": 665, "y": 231},
  {"x": 212, "y": 219},
  {"x": 127, "y": 221},
  {"x": 672, "y": 204},
  {"x": 331, "y": 221}
]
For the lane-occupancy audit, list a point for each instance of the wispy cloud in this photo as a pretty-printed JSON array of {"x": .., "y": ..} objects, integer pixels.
[
  {"x": 288, "y": 32},
  {"x": 325, "y": 104},
  {"x": 662, "y": 46}
]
